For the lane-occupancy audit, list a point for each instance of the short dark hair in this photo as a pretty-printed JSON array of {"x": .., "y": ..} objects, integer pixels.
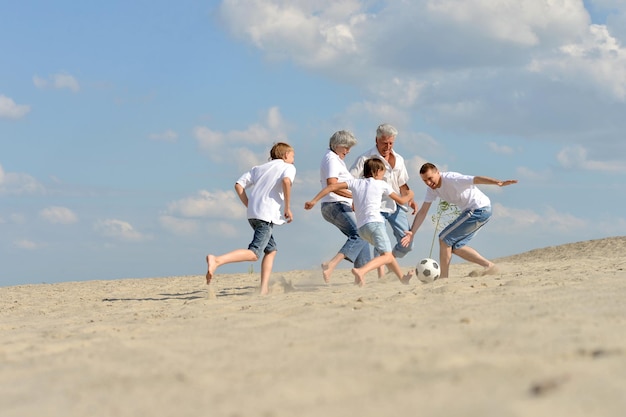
[
  {"x": 427, "y": 167},
  {"x": 372, "y": 166}
]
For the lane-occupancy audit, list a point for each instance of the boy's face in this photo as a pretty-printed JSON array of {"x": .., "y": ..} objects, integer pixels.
[
  {"x": 432, "y": 178},
  {"x": 290, "y": 157}
]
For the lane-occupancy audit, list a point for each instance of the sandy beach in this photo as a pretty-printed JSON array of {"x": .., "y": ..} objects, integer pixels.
[{"x": 546, "y": 336}]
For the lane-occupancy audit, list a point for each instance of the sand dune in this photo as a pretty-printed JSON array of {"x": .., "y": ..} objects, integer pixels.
[{"x": 543, "y": 337}]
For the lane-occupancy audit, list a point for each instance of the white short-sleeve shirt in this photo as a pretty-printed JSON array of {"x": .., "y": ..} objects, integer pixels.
[
  {"x": 396, "y": 177},
  {"x": 332, "y": 166},
  {"x": 264, "y": 188},
  {"x": 458, "y": 189},
  {"x": 367, "y": 194}
]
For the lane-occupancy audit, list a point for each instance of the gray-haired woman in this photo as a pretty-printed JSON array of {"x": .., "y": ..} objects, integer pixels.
[{"x": 337, "y": 207}]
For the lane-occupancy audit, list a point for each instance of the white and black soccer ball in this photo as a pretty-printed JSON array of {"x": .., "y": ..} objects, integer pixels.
[{"x": 427, "y": 270}]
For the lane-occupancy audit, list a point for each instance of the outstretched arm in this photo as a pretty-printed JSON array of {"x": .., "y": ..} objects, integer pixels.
[
  {"x": 241, "y": 192},
  {"x": 287, "y": 194},
  {"x": 404, "y": 189},
  {"x": 328, "y": 189},
  {"x": 405, "y": 197},
  {"x": 417, "y": 222},
  {"x": 492, "y": 181}
]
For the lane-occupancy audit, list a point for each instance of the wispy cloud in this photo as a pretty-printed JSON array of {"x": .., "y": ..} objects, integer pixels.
[
  {"x": 58, "y": 215},
  {"x": 11, "y": 110},
  {"x": 118, "y": 229},
  {"x": 57, "y": 81}
]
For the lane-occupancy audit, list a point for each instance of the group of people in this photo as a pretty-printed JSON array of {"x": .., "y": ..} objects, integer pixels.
[{"x": 360, "y": 201}]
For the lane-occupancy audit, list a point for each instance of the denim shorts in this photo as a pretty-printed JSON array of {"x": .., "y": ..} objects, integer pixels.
[
  {"x": 263, "y": 240},
  {"x": 464, "y": 227},
  {"x": 376, "y": 234}
]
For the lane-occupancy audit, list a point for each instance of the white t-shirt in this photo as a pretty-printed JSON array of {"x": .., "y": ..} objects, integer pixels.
[
  {"x": 458, "y": 189},
  {"x": 396, "y": 177},
  {"x": 332, "y": 166},
  {"x": 266, "y": 197},
  {"x": 367, "y": 194}
]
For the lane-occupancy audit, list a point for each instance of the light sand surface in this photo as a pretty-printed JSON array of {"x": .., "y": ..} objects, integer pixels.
[{"x": 546, "y": 336}]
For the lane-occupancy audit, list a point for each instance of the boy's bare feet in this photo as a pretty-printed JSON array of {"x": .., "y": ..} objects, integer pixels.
[
  {"x": 211, "y": 267},
  {"x": 359, "y": 279},
  {"x": 326, "y": 272}
]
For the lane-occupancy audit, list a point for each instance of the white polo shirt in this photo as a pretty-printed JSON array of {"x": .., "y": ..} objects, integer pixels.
[{"x": 332, "y": 166}]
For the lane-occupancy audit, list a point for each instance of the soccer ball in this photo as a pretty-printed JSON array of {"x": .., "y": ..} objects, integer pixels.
[{"x": 427, "y": 270}]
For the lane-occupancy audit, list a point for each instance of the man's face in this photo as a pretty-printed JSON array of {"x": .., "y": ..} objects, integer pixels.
[
  {"x": 385, "y": 145},
  {"x": 432, "y": 178}
]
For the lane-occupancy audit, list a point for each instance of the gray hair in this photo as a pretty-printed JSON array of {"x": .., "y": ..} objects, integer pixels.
[
  {"x": 386, "y": 130},
  {"x": 342, "y": 138}
]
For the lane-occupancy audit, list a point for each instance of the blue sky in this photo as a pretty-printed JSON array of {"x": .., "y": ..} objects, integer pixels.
[{"x": 124, "y": 125}]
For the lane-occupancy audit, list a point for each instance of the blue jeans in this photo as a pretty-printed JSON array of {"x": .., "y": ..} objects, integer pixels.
[
  {"x": 376, "y": 234},
  {"x": 263, "y": 240},
  {"x": 464, "y": 227},
  {"x": 399, "y": 223},
  {"x": 355, "y": 250}
]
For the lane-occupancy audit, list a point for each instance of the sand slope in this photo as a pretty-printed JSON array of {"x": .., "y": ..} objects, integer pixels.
[{"x": 544, "y": 337}]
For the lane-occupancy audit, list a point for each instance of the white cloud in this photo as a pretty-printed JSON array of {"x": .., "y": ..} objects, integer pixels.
[
  {"x": 57, "y": 81},
  {"x": 26, "y": 244},
  {"x": 17, "y": 183},
  {"x": 257, "y": 139},
  {"x": 548, "y": 221},
  {"x": 166, "y": 136},
  {"x": 58, "y": 215},
  {"x": 118, "y": 229},
  {"x": 178, "y": 226},
  {"x": 10, "y": 110},
  {"x": 218, "y": 204},
  {"x": 500, "y": 149},
  {"x": 576, "y": 157},
  {"x": 524, "y": 69}
]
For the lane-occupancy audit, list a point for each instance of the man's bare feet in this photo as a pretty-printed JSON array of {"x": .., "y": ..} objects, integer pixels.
[
  {"x": 359, "y": 279},
  {"x": 407, "y": 277},
  {"x": 211, "y": 267},
  {"x": 490, "y": 270}
]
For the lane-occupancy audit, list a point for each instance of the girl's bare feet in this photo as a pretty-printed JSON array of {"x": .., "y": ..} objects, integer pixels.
[
  {"x": 326, "y": 272},
  {"x": 407, "y": 277}
]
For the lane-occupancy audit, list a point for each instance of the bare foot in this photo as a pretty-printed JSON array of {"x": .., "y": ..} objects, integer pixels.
[
  {"x": 407, "y": 277},
  {"x": 211, "y": 267},
  {"x": 326, "y": 272},
  {"x": 491, "y": 270},
  {"x": 359, "y": 279}
]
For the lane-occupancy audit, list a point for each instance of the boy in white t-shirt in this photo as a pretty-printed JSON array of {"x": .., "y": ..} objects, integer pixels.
[
  {"x": 475, "y": 206},
  {"x": 367, "y": 195},
  {"x": 269, "y": 186}
]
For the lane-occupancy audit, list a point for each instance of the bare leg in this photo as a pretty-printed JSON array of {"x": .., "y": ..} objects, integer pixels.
[
  {"x": 471, "y": 255},
  {"x": 378, "y": 261},
  {"x": 329, "y": 267},
  {"x": 381, "y": 271},
  {"x": 266, "y": 269},
  {"x": 445, "y": 256},
  {"x": 238, "y": 255},
  {"x": 395, "y": 268}
]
